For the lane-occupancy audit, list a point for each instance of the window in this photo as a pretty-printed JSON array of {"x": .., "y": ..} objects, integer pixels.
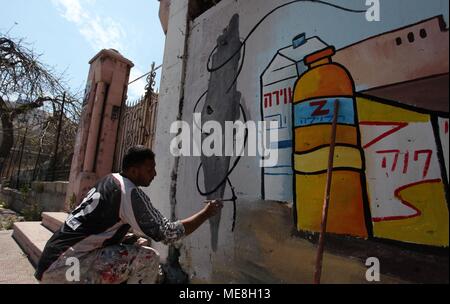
[{"x": 423, "y": 33}]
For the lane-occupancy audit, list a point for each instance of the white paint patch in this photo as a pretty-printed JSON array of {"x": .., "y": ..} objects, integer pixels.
[
  {"x": 443, "y": 132},
  {"x": 405, "y": 157}
]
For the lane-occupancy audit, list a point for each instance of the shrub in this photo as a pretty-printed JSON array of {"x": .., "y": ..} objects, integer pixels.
[
  {"x": 4, "y": 205},
  {"x": 32, "y": 212},
  {"x": 8, "y": 222}
]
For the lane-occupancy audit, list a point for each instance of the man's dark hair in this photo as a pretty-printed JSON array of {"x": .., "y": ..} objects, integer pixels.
[{"x": 136, "y": 155}]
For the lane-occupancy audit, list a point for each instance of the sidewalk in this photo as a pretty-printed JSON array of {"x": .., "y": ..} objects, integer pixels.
[{"x": 14, "y": 265}]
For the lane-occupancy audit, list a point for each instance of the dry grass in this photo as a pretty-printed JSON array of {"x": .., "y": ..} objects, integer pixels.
[{"x": 8, "y": 217}]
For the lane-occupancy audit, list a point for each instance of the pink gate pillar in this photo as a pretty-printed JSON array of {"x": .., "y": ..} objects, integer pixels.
[{"x": 105, "y": 93}]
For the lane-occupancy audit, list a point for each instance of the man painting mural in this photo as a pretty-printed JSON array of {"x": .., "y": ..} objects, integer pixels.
[{"x": 96, "y": 232}]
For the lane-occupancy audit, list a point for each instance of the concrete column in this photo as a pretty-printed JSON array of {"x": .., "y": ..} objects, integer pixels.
[
  {"x": 110, "y": 123},
  {"x": 94, "y": 128},
  {"x": 96, "y": 140}
]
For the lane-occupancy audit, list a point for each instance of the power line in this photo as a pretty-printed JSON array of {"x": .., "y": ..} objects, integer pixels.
[{"x": 146, "y": 74}]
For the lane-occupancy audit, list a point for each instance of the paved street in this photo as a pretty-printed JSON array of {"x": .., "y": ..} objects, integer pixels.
[{"x": 14, "y": 265}]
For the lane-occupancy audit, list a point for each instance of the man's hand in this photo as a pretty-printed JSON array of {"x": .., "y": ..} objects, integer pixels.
[
  {"x": 192, "y": 223},
  {"x": 132, "y": 239},
  {"x": 142, "y": 242},
  {"x": 213, "y": 207}
]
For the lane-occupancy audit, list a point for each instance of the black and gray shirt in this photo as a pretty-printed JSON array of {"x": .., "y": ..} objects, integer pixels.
[{"x": 103, "y": 219}]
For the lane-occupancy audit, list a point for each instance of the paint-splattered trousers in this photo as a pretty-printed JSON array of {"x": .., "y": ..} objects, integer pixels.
[{"x": 133, "y": 264}]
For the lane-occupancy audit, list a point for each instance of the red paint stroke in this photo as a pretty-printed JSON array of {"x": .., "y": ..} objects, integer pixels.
[
  {"x": 319, "y": 110},
  {"x": 109, "y": 276},
  {"x": 399, "y": 126},
  {"x": 396, "y": 152},
  {"x": 277, "y": 94},
  {"x": 405, "y": 163},
  {"x": 383, "y": 163},
  {"x": 446, "y": 127},
  {"x": 286, "y": 97},
  {"x": 398, "y": 196},
  {"x": 267, "y": 100},
  {"x": 427, "y": 162}
]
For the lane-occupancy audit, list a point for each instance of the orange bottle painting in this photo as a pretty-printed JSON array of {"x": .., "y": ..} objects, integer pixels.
[{"x": 314, "y": 96}]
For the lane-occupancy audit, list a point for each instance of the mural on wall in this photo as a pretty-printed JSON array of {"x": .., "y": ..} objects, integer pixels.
[
  {"x": 222, "y": 103},
  {"x": 390, "y": 178},
  {"x": 314, "y": 96},
  {"x": 277, "y": 84},
  {"x": 391, "y": 162},
  {"x": 404, "y": 179}
]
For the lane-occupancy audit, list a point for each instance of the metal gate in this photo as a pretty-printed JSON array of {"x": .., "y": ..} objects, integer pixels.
[{"x": 137, "y": 127}]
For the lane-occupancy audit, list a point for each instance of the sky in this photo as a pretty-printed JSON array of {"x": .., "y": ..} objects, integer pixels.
[{"x": 68, "y": 33}]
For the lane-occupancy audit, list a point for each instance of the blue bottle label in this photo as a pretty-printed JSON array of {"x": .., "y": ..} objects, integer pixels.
[{"x": 320, "y": 111}]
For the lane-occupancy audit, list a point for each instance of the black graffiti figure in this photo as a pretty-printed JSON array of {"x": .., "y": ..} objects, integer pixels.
[{"x": 221, "y": 105}]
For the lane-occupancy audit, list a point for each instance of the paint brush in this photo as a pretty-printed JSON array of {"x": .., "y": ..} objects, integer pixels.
[{"x": 221, "y": 200}]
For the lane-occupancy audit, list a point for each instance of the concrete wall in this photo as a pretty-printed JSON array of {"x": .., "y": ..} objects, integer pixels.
[
  {"x": 391, "y": 179},
  {"x": 48, "y": 195},
  {"x": 171, "y": 101}
]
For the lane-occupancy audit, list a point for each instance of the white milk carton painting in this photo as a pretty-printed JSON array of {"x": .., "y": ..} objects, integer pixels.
[{"x": 277, "y": 89}]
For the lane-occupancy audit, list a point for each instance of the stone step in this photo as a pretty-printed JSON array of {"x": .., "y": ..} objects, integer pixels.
[
  {"x": 32, "y": 237},
  {"x": 53, "y": 220}
]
